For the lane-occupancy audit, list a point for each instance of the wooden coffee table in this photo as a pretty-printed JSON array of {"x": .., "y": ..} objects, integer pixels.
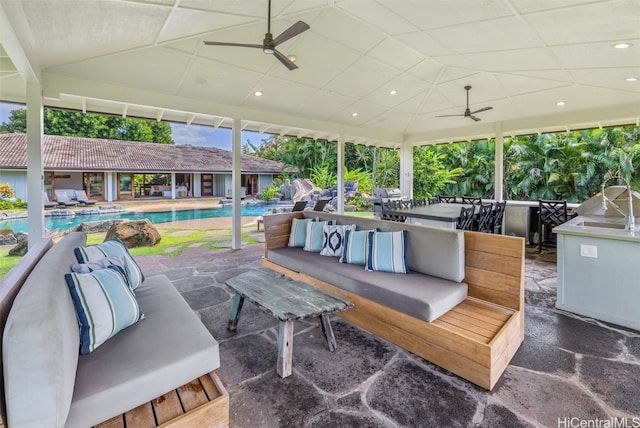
[{"x": 287, "y": 301}]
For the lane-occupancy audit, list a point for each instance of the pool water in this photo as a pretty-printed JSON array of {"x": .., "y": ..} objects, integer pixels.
[{"x": 20, "y": 225}]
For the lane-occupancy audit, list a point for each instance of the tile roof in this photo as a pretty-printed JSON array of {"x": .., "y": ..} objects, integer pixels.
[{"x": 93, "y": 154}]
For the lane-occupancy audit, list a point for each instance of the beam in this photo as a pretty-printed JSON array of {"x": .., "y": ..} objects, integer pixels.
[
  {"x": 236, "y": 172},
  {"x": 498, "y": 175},
  {"x": 340, "y": 185},
  {"x": 35, "y": 170}
]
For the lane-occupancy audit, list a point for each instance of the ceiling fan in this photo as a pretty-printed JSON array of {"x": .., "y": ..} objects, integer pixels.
[
  {"x": 269, "y": 44},
  {"x": 468, "y": 112}
]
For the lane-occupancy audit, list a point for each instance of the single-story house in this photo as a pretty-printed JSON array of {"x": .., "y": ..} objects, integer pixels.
[{"x": 110, "y": 170}]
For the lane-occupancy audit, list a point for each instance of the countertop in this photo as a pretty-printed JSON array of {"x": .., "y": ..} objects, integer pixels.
[{"x": 576, "y": 227}]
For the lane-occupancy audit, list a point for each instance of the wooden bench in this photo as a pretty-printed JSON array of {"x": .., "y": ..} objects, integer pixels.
[
  {"x": 476, "y": 339},
  {"x": 203, "y": 402}
]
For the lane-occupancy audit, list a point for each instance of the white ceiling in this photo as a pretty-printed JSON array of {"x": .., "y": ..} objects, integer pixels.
[{"x": 146, "y": 58}]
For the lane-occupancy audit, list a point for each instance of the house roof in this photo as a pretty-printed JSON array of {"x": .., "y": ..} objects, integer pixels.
[
  {"x": 146, "y": 58},
  {"x": 93, "y": 154}
]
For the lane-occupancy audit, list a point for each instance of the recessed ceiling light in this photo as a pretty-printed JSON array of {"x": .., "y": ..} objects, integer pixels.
[
  {"x": 354, "y": 114},
  {"x": 393, "y": 92},
  {"x": 631, "y": 79},
  {"x": 622, "y": 45},
  {"x": 258, "y": 93},
  {"x": 560, "y": 103}
]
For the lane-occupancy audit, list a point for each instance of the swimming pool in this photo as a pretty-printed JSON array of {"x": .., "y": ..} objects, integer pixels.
[{"x": 20, "y": 224}]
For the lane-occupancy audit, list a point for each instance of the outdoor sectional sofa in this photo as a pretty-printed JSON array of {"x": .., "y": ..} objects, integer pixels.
[
  {"x": 460, "y": 307},
  {"x": 160, "y": 370}
]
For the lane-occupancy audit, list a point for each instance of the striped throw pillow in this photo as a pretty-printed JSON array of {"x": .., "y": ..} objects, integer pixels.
[
  {"x": 355, "y": 247},
  {"x": 112, "y": 248},
  {"x": 387, "y": 252},
  {"x": 313, "y": 241},
  {"x": 298, "y": 235},
  {"x": 104, "y": 305}
]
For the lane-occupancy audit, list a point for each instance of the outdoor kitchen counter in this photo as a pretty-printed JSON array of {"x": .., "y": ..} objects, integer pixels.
[
  {"x": 609, "y": 229},
  {"x": 598, "y": 269}
]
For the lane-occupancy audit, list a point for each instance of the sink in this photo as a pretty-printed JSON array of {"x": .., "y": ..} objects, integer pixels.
[{"x": 601, "y": 224}]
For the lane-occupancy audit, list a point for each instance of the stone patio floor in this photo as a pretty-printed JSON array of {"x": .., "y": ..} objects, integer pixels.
[{"x": 569, "y": 372}]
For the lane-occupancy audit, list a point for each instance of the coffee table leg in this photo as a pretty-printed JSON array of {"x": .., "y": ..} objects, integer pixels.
[
  {"x": 236, "y": 307},
  {"x": 327, "y": 331},
  {"x": 285, "y": 348}
]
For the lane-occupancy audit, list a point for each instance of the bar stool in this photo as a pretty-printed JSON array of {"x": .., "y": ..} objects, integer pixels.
[{"x": 551, "y": 213}]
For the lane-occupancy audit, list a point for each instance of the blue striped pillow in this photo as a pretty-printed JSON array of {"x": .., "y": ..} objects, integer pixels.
[
  {"x": 112, "y": 248},
  {"x": 104, "y": 305},
  {"x": 355, "y": 247},
  {"x": 315, "y": 237},
  {"x": 387, "y": 252},
  {"x": 298, "y": 235}
]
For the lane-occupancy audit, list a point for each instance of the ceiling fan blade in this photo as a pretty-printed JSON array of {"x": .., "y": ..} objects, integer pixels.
[
  {"x": 242, "y": 45},
  {"x": 291, "y": 32},
  {"x": 476, "y": 118},
  {"x": 284, "y": 60},
  {"x": 481, "y": 110},
  {"x": 450, "y": 115}
]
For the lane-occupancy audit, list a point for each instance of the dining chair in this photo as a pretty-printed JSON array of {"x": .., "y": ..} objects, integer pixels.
[
  {"x": 447, "y": 199},
  {"x": 482, "y": 221},
  {"x": 406, "y": 203},
  {"x": 472, "y": 200},
  {"x": 392, "y": 205},
  {"x": 551, "y": 213},
  {"x": 420, "y": 202},
  {"x": 497, "y": 217},
  {"x": 465, "y": 222},
  {"x": 434, "y": 200}
]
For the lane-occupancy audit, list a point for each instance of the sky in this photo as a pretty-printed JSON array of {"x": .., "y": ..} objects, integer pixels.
[{"x": 194, "y": 135}]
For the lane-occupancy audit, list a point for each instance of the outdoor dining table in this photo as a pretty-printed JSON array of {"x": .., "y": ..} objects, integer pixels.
[{"x": 436, "y": 215}]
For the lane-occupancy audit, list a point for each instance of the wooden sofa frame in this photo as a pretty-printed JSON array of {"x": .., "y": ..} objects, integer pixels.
[
  {"x": 476, "y": 339},
  {"x": 203, "y": 402}
]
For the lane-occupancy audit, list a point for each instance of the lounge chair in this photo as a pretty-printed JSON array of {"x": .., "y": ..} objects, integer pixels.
[
  {"x": 47, "y": 202},
  {"x": 64, "y": 199},
  {"x": 320, "y": 204},
  {"x": 81, "y": 196},
  {"x": 299, "y": 206}
]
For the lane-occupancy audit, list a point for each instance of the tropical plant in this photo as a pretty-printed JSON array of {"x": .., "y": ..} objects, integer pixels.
[
  {"x": 78, "y": 124},
  {"x": 430, "y": 175}
]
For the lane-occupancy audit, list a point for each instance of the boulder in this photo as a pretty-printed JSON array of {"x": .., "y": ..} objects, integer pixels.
[
  {"x": 19, "y": 250},
  {"x": 304, "y": 190},
  {"x": 22, "y": 236},
  {"x": 7, "y": 239},
  {"x": 137, "y": 233},
  {"x": 98, "y": 226}
]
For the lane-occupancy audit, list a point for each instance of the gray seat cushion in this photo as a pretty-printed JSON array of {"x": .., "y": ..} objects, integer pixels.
[
  {"x": 421, "y": 296},
  {"x": 167, "y": 349}
]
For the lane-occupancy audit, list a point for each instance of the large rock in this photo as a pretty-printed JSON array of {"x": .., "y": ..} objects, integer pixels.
[
  {"x": 98, "y": 226},
  {"x": 7, "y": 238},
  {"x": 304, "y": 190},
  {"x": 137, "y": 233},
  {"x": 19, "y": 250}
]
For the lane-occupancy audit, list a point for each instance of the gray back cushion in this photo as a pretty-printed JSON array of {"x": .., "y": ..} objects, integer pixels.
[
  {"x": 41, "y": 342},
  {"x": 430, "y": 250}
]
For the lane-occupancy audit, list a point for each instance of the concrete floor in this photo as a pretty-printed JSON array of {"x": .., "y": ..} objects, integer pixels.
[{"x": 569, "y": 371}]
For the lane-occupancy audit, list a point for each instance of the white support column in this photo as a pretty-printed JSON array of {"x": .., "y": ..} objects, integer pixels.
[
  {"x": 406, "y": 171},
  {"x": 499, "y": 164},
  {"x": 173, "y": 185},
  {"x": 236, "y": 172},
  {"x": 35, "y": 170},
  {"x": 341, "y": 174}
]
